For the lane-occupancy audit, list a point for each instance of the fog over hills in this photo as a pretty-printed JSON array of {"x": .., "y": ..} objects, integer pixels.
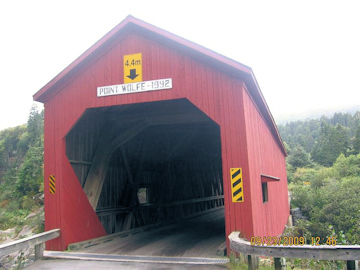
[{"x": 315, "y": 113}]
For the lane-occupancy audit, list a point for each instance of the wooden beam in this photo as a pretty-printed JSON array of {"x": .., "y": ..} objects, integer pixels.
[
  {"x": 117, "y": 210},
  {"x": 100, "y": 163},
  {"x": 352, "y": 265},
  {"x": 127, "y": 165},
  {"x": 137, "y": 180},
  {"x": 185, "y": 118},
  {"x": 280, "y": 263},
  {"x": 98, "y": 169},
  {"x": 158, "y": 119},
  {"x": 39, "y": 251},
  {"x": 129, "y": 195},
  {"x": 80, "y": 162},
  {"x": 129, "y": 134},
  {"x": 269, "y": 178},
  {"x": 134, "y": 186},
  {"x": 253, "y": 262},
  {"x": 128, "y": 220}
]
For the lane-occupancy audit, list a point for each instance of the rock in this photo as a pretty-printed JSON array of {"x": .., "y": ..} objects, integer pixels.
[
  {"x": 297, "y": 215},
  {"x": 10, "y": 231},
  {"x": 20, "y": 259},
  {"x": 7, "y": 235},
  {"x": 31, "y": 215},
  {"x": 17, "y": 259},
  {"x": 25, "y": 232},
  {"x": 39, "y": 198}
]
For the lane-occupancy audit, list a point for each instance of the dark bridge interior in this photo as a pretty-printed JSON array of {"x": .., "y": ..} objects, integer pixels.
[{"x": 147, "y": 164}]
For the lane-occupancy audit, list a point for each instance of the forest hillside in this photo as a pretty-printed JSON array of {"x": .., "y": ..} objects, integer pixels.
[
  {"x": 323, "y": 167},
  {"x": 21, "y": 175}
]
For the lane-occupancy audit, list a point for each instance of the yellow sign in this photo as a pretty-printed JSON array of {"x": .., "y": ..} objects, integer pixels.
[
  {"x": 133, "y": 68},
  {"x": 237, "y": 185},
  {"x": 52, "y": 187},
  {"x": 307, "y": 183}
]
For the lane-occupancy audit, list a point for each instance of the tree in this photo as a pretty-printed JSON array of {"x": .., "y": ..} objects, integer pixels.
[
  {"x": 9, "y": 139},
  {"x": 347, "y": 166},
  {"x": 332, "y": 142},
  {"x": 356, "y": 144},
  {"x": 330, "y": 202},
  {"x": 35, "y": 125},
  {"x": 21, "y": 169},
  {"x": 299, "y": 158},
  {"x": 30, "y": 176}
]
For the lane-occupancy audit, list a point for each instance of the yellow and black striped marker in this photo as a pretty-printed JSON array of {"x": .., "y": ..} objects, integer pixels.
[
  {"x": 52, "y": 186},
  {"x": 237, "y": 185}
]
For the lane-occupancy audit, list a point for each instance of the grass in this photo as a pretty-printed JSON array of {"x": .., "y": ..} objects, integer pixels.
[
  {"x": 240, "y": 264},
  {"x": 293, "y": 264}
]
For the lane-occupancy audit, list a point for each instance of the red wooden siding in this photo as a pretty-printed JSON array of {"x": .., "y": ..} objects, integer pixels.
[
  {"x": 265, "y": 157},
  {"x": 246, "y": 140}
]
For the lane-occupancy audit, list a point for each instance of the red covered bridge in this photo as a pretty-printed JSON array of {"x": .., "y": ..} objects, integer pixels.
[{"x": 146, "y": 128}]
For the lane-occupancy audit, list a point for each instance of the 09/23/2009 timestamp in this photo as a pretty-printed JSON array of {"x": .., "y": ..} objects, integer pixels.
[{"x": 291, "y": 241}]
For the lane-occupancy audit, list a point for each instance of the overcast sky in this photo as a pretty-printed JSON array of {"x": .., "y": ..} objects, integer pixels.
[{"x": 305, "y": 54}]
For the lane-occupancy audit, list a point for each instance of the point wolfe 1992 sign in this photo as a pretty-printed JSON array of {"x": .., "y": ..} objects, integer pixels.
[
  {"x": 133, "y": 79},
  {"x": 134, "y": 87}
]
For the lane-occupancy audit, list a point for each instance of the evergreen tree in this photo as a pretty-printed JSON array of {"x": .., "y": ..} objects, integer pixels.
[
  {"x": 299, "y": 158},
  {"x": 30, "y": 176},
  {"x": 332, "y": 142},
  {"x": 321, "y": 150},
  {"x": 356, "y": 144},
  {"x": 21, "y": 170},
  {"x": 35, "y": 126}
]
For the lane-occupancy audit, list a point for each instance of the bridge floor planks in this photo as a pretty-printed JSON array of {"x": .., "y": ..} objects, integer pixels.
[{"x": 194, "y": 237}]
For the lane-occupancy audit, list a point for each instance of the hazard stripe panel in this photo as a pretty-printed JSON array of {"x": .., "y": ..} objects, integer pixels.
[
  {"x": 237, "y": 190},
  {"x": 52, "y": 186}
]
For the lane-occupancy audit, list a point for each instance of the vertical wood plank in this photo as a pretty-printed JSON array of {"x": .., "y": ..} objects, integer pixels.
[
  {"x": 39, "y": 251},
  {"x": 352, "y": 265}
]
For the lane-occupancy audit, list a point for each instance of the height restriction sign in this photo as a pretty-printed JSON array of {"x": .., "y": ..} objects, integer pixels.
[{"x": 133, "y": 68}]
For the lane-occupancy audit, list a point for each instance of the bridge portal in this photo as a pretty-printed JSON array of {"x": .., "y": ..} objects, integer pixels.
[{"x": 147, "y": 128}]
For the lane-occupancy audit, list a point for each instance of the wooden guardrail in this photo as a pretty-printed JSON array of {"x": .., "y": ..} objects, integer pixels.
[
  {"x": 36, "y": 240},
  {"x": 118, "y": 210},
  {"x": 350, "y": 254}
]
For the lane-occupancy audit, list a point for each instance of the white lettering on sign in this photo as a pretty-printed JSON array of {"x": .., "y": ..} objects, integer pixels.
[{"x": 128, "y": 88}]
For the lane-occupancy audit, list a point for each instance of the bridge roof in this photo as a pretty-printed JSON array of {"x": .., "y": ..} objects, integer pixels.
[{"x": 133, "y": 25}]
